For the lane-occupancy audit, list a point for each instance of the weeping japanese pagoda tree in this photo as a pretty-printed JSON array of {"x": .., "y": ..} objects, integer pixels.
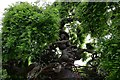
[
  {"x": 27, "y": 31},
  {"x": 109, "y": 45},
  {"x": 67, "y": 12},
  {"x": 101, "y": 20}
]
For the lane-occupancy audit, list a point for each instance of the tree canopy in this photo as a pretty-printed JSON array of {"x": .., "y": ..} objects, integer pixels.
[{"x": 29, "y": 30}]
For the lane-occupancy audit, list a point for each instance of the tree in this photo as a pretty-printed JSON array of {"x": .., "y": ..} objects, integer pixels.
[
  {"x": 29, "y": 31},
  {"x": 109, "y": 44},
  {"x": 101, "y": 21}
]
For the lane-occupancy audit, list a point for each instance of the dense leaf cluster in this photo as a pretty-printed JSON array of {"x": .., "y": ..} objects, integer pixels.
[
  {"x": 27, "y": 29},
  {"x": 101, "y": 21}
]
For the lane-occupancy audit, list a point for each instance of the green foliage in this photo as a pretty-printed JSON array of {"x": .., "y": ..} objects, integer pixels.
[
  {"x": 27, "y": 29},
  {"x": 67, "y": 10},
  {"x": 77, "y": 34},
  {"x": 93, "y": 18},
  {"x": 101, "y": 20},
  {"x": 109, "y": 44}
]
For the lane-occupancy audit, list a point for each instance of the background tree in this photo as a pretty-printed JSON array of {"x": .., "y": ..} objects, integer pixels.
[{"x": 101, "y": 21}]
